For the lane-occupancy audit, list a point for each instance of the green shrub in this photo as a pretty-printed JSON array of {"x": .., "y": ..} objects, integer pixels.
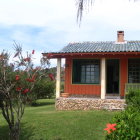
[
  {"x": 133, "y": 99},
  {"x": 128, "y": 126},
  {"x": 44, "y": 89},
  {"x": 128, "y": 121},
  {"x": 62, "y": 87}
]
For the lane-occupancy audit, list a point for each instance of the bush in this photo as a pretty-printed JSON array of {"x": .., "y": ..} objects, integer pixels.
[
  {"x": 62, "y": 87},
  {"x": 44, "y": 89},
  {"x": 128, "y": 126},
  {"x": 128, "y": 121},
  {"x": 133, "y": 99},
  {"x": 17, "y": 80}
]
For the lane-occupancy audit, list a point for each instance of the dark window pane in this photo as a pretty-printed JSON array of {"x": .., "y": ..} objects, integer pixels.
[
  {"x": 86, "y": 71},
  {"x": 134, "y": 70},
  {"x": 92, "y": 73}
]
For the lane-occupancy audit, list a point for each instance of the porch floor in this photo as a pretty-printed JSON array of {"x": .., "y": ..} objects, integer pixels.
[{"x": 111, "y": 96}]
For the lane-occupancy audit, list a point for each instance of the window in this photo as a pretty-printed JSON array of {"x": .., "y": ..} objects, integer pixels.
[
  {"x": 86, "y": 71},
  {"x": 134, "y": 70}
]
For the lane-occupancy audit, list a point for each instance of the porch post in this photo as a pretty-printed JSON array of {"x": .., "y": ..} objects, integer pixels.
[
  {"x": 103, "y": 78},
  {"x": 58, "y": 79}
]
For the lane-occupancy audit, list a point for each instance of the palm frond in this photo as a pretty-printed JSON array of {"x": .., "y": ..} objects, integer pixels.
[{"x": 82, "y": 5}]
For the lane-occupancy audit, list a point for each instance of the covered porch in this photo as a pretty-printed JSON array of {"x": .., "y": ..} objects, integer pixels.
[
  {"x": 116, "y": 75},
  {"x": 107, "y": 88}
]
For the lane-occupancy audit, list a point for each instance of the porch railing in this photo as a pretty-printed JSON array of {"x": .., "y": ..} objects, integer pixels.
[{"x": 132, "y": 86}]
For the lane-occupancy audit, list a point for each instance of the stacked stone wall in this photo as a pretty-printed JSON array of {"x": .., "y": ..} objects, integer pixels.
[{"x": 89, "y": 104}]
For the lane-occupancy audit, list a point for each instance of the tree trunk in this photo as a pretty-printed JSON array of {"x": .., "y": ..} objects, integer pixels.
[{"x": 14, "y": 132}]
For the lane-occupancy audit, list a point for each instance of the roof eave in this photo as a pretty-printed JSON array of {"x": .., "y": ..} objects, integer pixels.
[{"x": 64, "y": 55}]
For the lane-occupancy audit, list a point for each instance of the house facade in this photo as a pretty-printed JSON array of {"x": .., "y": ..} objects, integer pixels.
[{"x": 99, "y": 69}]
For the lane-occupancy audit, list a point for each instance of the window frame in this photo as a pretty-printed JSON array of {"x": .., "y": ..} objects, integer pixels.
[
  {"x": 132, "y": 71},
  {"x": 85, "y": 83}
]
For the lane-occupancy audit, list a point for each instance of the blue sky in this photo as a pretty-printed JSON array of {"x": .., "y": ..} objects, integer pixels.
[{"x": 49, "y": 25}]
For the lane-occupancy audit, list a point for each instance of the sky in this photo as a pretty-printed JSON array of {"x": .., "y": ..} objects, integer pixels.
[{"x": 49, "y": 25}]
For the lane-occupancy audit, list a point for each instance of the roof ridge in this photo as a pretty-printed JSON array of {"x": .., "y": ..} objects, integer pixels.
[
  {"x": 71, "y": 43},
  {"x": 133, "y": 41},
  {"x": 80, "y": 42}
]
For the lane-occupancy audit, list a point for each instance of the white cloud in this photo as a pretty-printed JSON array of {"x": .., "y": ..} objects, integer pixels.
[
  {"x": 34, "y": 12},
  {"x": 123, "y": 14},
  {"x": 61, "y": 14}
]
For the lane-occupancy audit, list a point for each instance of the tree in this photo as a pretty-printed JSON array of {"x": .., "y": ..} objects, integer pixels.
[{"x": 17, "y": 81}]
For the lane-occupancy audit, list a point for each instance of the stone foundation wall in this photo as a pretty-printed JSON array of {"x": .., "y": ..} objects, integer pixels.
[{"x": 89, "y": 104}]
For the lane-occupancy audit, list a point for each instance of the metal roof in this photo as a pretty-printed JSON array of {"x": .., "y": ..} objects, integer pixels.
[{"x": 107, "y": 46}]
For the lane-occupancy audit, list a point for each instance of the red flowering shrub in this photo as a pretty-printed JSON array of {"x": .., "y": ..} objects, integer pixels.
[
  {"x": 127, "y": 128},
  {"x": 128, "y": 121},
  {"x": 17, "y": 82}
]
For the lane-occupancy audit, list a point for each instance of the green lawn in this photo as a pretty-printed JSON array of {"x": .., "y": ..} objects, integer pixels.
[{"x": 43, "y": 122}]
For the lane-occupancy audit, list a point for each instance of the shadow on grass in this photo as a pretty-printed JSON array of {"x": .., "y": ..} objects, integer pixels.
[
  {"x": 4, "y": 132},
  {"x": 36, "y": 104},
  {"x": 26, "y": 132}
]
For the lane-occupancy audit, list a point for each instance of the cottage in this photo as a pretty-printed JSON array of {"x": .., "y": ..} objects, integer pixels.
[{"x": 99, "y": 69}]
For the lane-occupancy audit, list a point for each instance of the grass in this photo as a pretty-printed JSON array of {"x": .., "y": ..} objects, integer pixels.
[{"x": 43, "y": 122}]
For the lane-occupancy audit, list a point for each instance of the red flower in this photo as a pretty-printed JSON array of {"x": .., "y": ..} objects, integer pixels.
[
  {"x": 27, "y": 59},
  {"x": 31, "y": 79},
  {"x": 51, "y": 76},
  {"x": 18, "y": 89},
  {"x": 17, "y": 77},
  {"x": 110, "y": 127},
  {"x": 25, "y": 90},
  {"x": 33, "y": 51}
]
